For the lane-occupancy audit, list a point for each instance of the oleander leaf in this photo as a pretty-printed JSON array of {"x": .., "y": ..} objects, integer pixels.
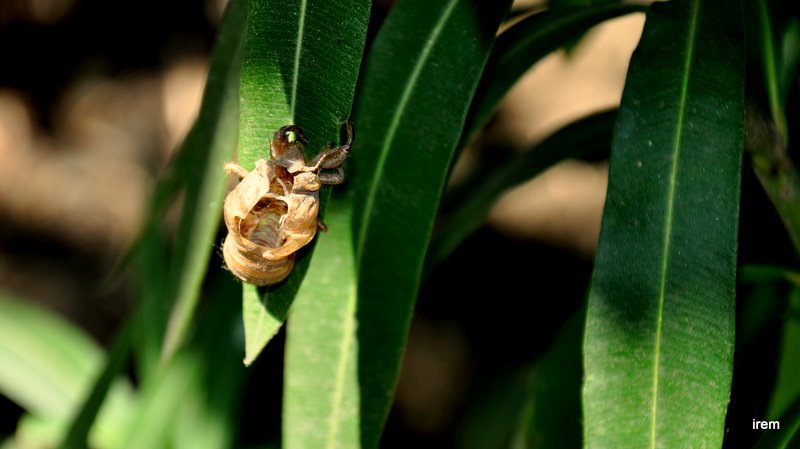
[
  {"x": 300, "y": 67},
  {"x": 321, "y": 394},
  {"x": 209, "y": 144},
  {"x": 46, "y": 364},
  {"x": 464, "y": 210},
  {"x": 418, "y": 81},
  {"x": 528, "y": 41},
  {"x": 659, "y": 333}
]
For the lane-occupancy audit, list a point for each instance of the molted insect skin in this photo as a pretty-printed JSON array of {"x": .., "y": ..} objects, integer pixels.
[
  {"x": 272, "y": 213},
  {"x": 252, "y": 215},
  {"x": 300, "y": 223}
]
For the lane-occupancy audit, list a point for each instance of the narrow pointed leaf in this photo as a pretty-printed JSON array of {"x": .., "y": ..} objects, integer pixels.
[
  {"x": 321, "y": 396},
  {"x": 528, "y": 41},
  {"x": 659, "y": 332},
  {"x": 789, "y": 58},
  {"x": 158, "y": 404},
  {"x": 301, "y": 63},
  {"x": 764, "y": 38},
  {"x": 210, "y": 144},
  {"x": 418, "y": 82}
]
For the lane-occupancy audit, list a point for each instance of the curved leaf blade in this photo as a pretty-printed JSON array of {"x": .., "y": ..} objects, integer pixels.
[
  {"x": 659, "y": 333},
  {"x": 408, "y": 121},
  {"x": 210, "y": 144},
  {"x": 770, "y": 64},
  {"x": 300, "y": 67},
  {"x": 586, "y": 138},
  {"x": 528, "y": 41}
]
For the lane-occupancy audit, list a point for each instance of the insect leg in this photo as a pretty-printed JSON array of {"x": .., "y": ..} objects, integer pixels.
[
  {"x": 333, "y": 157},
  {"x": 235, "y": 169},
  {"x": 332, "y": 178}
]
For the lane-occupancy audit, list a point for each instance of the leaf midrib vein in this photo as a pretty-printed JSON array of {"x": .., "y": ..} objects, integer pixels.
[
  {"x": 395, "y": 124},
  {"x": 297, "y": 51},
  {"x": 341, "y": 368},
  {"x": 676, "y": 150}
]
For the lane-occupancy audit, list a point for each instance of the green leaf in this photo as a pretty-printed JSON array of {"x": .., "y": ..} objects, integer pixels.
[
  {"x": 151, "y": 256},
  {"x": 495, "y": 411},
  {"x": 771, "y": 64},
  {"x": 194, "y": 402},
  {"x": 209, "y": 418},
  {"x": 209, "y": 145},
  {"x": 321, "y": 394},
  {"x": 263, "y": 313},
  {"x": 751, "y": 274},
  {"x": 757, "y": 308},
  {"x": 659, "y": 333},
  {"x": 586, "y": 138},
  {"x": 159, "y": 402},
  {"x": 300, "y": 67},
  {"x": 790, "y": 57},
  {"x": 46, "y": 364},
  {"x": 83, "y": 421},
  {"x": 528, "y": 41},
  {"x": 408, "y": 120},
  {"x": 114, "y": 414}
]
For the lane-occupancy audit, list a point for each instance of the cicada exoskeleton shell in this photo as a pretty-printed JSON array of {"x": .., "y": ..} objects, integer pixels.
[
  {"x": 273, "y": 211},
  {"x": 253, "y": 213}
]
